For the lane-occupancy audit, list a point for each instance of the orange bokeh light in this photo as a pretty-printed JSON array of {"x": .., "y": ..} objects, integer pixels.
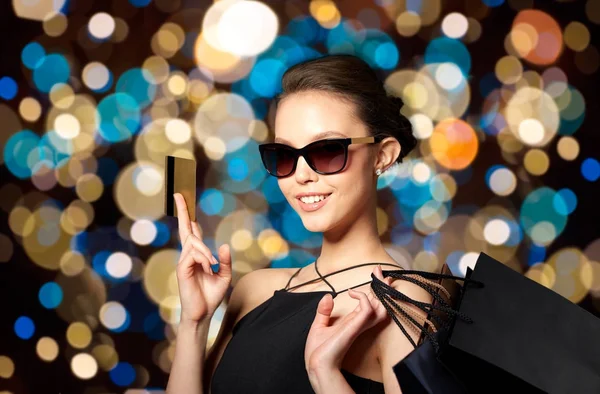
[
  {"x": 454, "y": 144},
  {"x": 537, "y": 37}
]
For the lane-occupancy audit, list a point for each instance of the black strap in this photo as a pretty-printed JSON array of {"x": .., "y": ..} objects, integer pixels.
[
  {"x": 386, "y": 295},
  {"x": 292, "y": 277},
  {"x": 322, "y": 277}
]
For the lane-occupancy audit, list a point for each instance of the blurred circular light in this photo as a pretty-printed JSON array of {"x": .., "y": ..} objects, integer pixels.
[
  {"x": 113, "y": 315},
  {"x": 67, "y": 126},
  {"x": 143, "y": 232},
  {"x": 123, "y": 374},
  {"x": 24, "y": 327},
  {"x": 536, "y": 162},
  {"x": 50, "y": 295},
  {"x": 79, "y": 335},
  {"x": 178, "y": 131},
  {"x": 32, "y": 55},
  {"x": 84, "y": 366},
  {"x": 239, "y": 34},
  {"x": 454, "y": 144},
  {"x": 8, "y": 88},
  {"x": 101, "y": 25},
  {"x": 496, "y": 231},
  {"x": 577, "y": 36},
  {"x": 536, "y": 36},
  {"x": 568, "y": 148},
  {"x": 590, "y": 169},
  {"x": 51, "y": 70},
  {"x": 422, "y": 126},
  {"x": 118, "y": 265},
  {"x": 30, "y": 109},
  {"x": 96, "y": 76},
  {"x": 449, "y": 76},
  {"x": 408, "y": 23},
  {"x": 7, "y": 367},
  {"x": 455, "y": 25},
  {"x": 47, "y": 349}
]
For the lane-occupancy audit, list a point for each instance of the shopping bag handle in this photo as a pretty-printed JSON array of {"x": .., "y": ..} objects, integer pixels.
[{"x": 386, "y": 293}]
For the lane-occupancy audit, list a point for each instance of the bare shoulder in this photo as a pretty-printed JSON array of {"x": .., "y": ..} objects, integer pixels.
[
  {"x": 390, "y": 336},
  {"x": 257, "y": 286}
]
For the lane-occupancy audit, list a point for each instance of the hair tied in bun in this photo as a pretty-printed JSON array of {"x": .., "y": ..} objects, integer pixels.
[{"x": 398, "y": 102}]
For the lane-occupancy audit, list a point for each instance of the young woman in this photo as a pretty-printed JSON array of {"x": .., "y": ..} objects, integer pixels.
[{"x": 320, "y": 328}]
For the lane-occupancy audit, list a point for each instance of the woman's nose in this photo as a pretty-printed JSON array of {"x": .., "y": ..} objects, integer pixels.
[{"x": 303, "y": 171}]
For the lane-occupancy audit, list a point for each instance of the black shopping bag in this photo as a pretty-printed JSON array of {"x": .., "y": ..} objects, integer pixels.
[
  {"x": 522, "y": 336},
  {"x": 421, "y": 372}
]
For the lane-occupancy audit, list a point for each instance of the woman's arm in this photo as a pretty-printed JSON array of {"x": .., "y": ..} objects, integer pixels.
[{"x": 188, "y": 364}]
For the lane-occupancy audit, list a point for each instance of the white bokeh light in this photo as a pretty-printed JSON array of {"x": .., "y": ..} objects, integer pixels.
[
  {"x": 422, "y": 126},
  {"x": 247, "y": 28},
  {"x": 178, "y": 131},
  {"x": 467, "y": 260},
  {"x": 118, "y": 265},
  {"x": 496, "y": 231},
  {"x": 449, "y": 76},
  {"x": 455, "y": 25},
  {"x": 101, "y": 25},
  {"x": 143, "y": 232},
  {"x": 112, "y": 315},
  {"x": 531, "y": 131},
  {"x": 67, "y": 126}
]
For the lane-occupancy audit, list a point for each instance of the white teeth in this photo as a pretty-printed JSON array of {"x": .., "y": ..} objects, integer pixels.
[{"x": 312, "y": 199}]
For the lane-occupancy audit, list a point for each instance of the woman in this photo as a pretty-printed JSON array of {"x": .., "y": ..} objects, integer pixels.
[{"x": 336, "y": 131}]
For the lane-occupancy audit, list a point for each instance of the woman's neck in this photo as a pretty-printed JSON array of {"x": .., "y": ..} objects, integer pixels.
[{"x": 354, "y": 244}]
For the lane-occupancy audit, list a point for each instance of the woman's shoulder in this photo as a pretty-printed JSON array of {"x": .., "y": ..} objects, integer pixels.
[{"x": 264, "y": 281}]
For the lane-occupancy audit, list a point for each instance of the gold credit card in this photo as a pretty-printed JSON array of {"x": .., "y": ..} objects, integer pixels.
[{"x": 180, "y": 177}]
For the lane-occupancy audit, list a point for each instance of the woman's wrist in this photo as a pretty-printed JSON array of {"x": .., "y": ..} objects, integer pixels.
[{"x": 196, "y": 326}]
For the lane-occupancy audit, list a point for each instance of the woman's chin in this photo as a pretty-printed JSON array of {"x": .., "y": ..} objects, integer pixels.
[{"x": 315, "y": 225}]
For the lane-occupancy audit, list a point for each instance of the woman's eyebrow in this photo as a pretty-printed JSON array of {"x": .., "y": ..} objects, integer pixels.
[{"x": 316, "y": 137}]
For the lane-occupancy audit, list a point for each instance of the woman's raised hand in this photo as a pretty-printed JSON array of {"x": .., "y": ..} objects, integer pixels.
[{"x": 200, "y": 290}]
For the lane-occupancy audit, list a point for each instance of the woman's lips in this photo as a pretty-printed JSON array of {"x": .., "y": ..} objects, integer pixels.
[{"x": 314, "y": 206}]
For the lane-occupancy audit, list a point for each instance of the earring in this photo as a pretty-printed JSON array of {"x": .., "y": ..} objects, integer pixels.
[{"x": 378, "y": 172}]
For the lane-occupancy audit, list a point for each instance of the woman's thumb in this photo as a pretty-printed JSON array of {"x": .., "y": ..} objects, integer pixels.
[
  {"x": 224, "y": 253},
  {"x": 324, "y": 309}
]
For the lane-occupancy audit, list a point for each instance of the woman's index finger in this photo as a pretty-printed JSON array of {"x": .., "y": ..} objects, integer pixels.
[{"x": 183, "y": 217}]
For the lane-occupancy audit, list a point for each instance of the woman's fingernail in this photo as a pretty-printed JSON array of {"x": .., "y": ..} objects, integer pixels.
[{"x": 214, "y": 260}]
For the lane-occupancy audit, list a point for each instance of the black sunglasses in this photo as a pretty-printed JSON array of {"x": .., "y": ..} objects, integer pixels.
[{"x": 325, "y": 157}]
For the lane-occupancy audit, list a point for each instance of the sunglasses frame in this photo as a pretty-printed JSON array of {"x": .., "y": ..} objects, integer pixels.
[{"x": 304, "y": 150}]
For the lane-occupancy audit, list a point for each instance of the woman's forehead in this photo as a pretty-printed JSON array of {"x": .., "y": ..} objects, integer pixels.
[{"x": 302, "y": 120}]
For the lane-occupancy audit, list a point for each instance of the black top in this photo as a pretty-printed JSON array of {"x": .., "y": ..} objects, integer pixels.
[{"x": 266, "y": 352}]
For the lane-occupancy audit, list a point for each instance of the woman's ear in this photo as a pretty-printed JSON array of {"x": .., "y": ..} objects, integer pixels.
[{"x": 389, "y": 151}]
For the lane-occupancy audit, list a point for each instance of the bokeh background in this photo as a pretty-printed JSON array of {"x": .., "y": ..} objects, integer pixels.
[{"x": 94, "y": 94}]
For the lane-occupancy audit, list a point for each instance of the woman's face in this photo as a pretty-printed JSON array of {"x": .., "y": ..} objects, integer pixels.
[{"x": 303, "y": 118}]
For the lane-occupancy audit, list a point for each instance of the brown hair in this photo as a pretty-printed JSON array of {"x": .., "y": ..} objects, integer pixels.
[{"x": 352, "y": 79}]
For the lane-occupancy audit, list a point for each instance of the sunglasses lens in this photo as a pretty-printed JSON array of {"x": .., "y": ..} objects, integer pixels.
[
  {"x": 279, "y": 161},
  {"x": 328, "y": 156}
]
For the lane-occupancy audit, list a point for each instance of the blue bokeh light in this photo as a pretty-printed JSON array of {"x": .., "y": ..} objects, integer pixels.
[
  {"x": 122, "y": 374},
  {"x": 32, "y": 55},
  {"x": 139, "y": 3},
  {"x": 138, "y": 84},
  {"x": 444, "y": 49},
  {"x": 24, "y": 327},
  {"x": 493, "y": 3},
  {"x": 590, "y": 169},
  {"x": 17, "y": 150},
  {"x": 211, "y": 201},
  {"x": 120, "y": 117},
  {"x": 50, "y": 295},
  {"x": 8, "y": 88},
  {"x": 265, "y": 77},
  {"x": 51, "y": 70},
  {"x": 565, "y": 201}
]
